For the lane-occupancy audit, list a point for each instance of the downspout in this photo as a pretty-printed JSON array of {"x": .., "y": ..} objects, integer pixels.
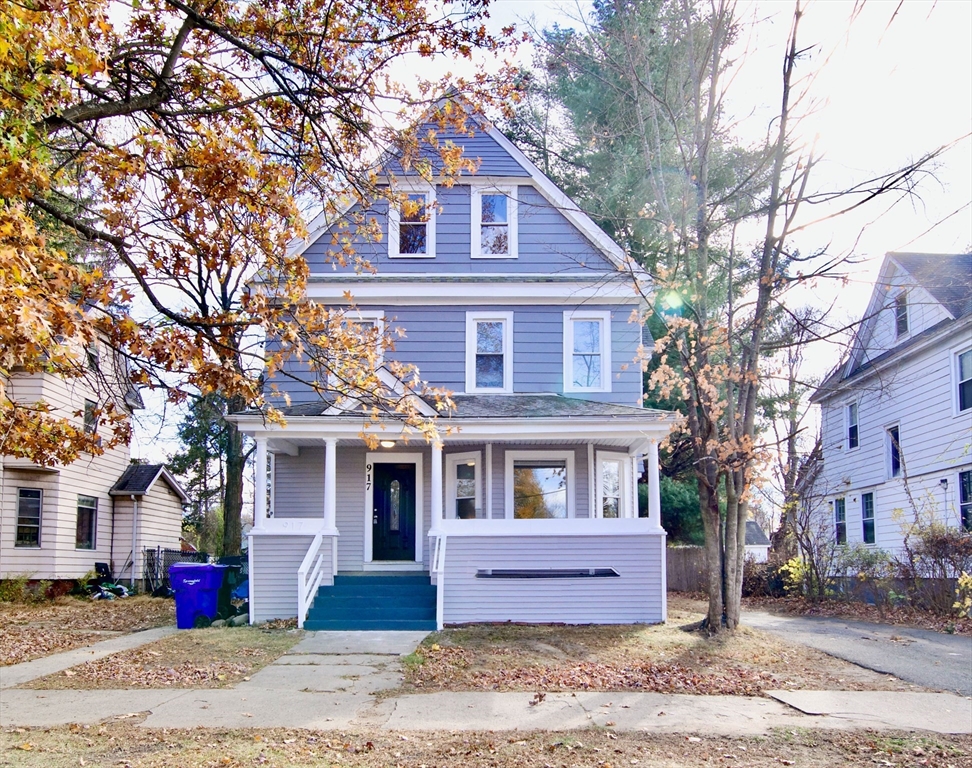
[
  {"x": 111, "y": 545},
  {"x": 134, "y": 534}
]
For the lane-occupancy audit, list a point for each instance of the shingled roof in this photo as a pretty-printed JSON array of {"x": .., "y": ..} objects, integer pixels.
[
  {"x": 138, "y": 479},
  {"x": 947, "y": 277}
]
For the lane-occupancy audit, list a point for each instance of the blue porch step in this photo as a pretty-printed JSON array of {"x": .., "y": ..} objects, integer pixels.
[{"x": 374, "y": 601}]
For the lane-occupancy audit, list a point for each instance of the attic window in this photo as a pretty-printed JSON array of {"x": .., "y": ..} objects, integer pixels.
[
  {"x": 411, "y": 225},
  {"x": 901, "y": 314},
  {"x": 494, "y": 217}
]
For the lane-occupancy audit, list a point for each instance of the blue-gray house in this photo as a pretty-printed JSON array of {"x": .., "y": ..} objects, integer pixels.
[{"x": 511, "y": 297}]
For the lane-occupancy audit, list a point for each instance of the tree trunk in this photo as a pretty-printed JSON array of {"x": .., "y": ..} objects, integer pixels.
[{"x": 233, "y": 499}]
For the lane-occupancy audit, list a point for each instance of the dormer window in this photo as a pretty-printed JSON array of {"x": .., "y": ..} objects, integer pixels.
[
  {"x": 494, "y": 233},
  {"x": 411, "y": 225},
  {"x": 901, "y": 314},
  {"x": 489, "y": 352}
]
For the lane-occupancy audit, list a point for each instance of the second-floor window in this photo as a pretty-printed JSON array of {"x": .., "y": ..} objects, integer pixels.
[
  {"x": 90, "y": 417},
  {"x": 867, "y": 517},
  {"x": 489, "y": 352},
  {"x": 29, "y": 502},
  {"x": 587, "y": 351},
  {"x": 840, "y": 520},
  {"x": 494, "y": 223},
  {"x": 963, "y": 369},
  {"x": 411, "y": 225},
  {"x": 901, "y": 314},
  {"x": 853, "y": 435},
  {"x": 894, "y": 452}
]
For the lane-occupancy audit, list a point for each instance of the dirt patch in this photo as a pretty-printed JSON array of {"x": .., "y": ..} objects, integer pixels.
[
  {"x": 197, "y": 658},
  {"x": 901, "y": 616},
  {"x": 126, "y": 744},
  {"x": 662, "y": 659},
  {"x": 35, "y": 630}
]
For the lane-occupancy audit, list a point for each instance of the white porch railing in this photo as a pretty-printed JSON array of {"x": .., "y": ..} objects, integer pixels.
[
  {"x": 311, "y": 573},
  {"x": 438, "y": 570}
]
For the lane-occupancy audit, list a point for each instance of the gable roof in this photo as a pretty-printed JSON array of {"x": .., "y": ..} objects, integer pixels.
[
  {"x": 947, "y": 277},
  {"x": 755, "y": 535},
  {"x": 554, "y": 195},
  {"x": 138, "y": 480}
]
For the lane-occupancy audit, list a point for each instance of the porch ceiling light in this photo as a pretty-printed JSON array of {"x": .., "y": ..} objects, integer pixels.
[{"x": 387, "y": 443}]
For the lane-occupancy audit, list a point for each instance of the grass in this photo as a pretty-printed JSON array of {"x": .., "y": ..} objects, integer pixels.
[
  {"x": 124, "y": 743},
  {"x": 197, "y": 658},
  {"x": 663, "y": 658}
]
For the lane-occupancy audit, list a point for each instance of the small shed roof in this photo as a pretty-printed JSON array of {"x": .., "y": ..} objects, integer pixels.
[
  {"x": 138, "y": 479},
  {"x": 755, "y": 537}
]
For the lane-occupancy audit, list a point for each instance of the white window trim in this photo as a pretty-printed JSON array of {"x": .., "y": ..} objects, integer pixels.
[
  {"x": 894, "y": 314},
  {"x": 391, "y": 457},
  {"x": 513, "y": 456},
  {"x": 847, "y": 424},
  {"x": 471, "y": 319},
  {"x": 394, "y": 220},
  {"x": 954, "y": 353},
  {"x": 476, "y": 221},
  {"x": 604, "y": 316},
  {"x": 40, "y": 520},
  {"x": 452, "y": 461},
  {"x": 377, "y": 316},
  {"x": 623, "y": 491},
  {"x": 887, "y": 450}
]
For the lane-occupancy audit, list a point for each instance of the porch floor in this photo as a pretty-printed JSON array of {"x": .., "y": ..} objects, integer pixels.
[{"x": 374, "y": 601}]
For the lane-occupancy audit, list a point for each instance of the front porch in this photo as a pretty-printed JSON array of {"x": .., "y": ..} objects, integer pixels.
[{"x": 505, "y": 526}]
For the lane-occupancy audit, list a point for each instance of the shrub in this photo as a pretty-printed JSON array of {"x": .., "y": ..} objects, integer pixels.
[
  {"x": 868, "y": 574},
  {"x": 963, "y": 596},
  {"x": 762, "y": 579},
  {"x": 20, "y": 589},
  {"x": 933, "y": 558}
]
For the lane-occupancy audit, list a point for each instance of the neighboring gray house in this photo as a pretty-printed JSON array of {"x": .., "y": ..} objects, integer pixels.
[
  {"x": 511, "y": 297},
  {"x": 896, "y": 415}
]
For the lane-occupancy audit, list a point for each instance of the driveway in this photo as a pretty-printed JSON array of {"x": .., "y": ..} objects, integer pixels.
[{"x": 931, "y": 659}]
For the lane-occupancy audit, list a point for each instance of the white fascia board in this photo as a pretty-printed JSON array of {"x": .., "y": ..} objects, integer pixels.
[
  {"x": 571, "y": 526},
  {"x": 469, "y": 291}
]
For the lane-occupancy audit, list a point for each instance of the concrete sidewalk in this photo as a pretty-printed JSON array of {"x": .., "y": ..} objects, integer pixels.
[{"x": 328, "y": 681}]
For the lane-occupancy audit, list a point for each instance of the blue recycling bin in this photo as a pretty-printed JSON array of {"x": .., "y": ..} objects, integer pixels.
[{"x": 196, "y": 587}]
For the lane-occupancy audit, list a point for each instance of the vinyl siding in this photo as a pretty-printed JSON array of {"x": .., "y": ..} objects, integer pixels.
[
  {"x": 634, "y": 597},
  {"x": 273, "y": 585},
  {"x": 492, "y": 159}
]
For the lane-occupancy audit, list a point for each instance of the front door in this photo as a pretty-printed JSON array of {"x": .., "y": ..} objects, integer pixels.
[{"x": 393, "y": 516}]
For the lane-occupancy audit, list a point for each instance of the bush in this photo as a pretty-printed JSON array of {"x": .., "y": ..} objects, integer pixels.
[
  {"x": 20, "y": 589},
  {"x": 762, "y": 579},
  {"x": 868, "y": 575},
  {"x": 933, "y": 559}
]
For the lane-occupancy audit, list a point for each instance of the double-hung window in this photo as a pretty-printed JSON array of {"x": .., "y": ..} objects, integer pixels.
[
  {"x": 840, "y": 520},
  {"x": 587, "y": 351},
  {"x": 894, "y": 452},
  {"x": 901, "y": 314},
  {"x": 965, "y": 499},
  {"x": 411, "y": 224},
  {"x": 90, "y": 417},
  {"x": 463, "y": 486},
  {"x": 539, "y": 485},
  {"x": 364, "y": 345},
  {"x": 853, "y": 433},
  {"x": 494, "y": 218},
  {"x": 963, "y": 371},
  {"x": 87, "y": 525},
  {"x": 867, "y": 517},
  {"x": 489, "y": 352},
  {"x": 29, "y": 503},
  {"x": 613, "y": 484}
]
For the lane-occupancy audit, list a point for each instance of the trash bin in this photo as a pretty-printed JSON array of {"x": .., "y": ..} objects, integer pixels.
[{"x": 197, "y": 589}]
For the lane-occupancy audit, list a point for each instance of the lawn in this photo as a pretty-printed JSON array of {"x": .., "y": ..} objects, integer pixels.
[
  {"x": 196, "y": 658},
  {"x": 663, "y": 658},
  {"x": 125, "y": 744},
  {"x": 30, "y": 631}
]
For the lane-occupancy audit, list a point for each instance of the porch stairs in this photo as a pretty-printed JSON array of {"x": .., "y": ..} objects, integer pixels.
[{"x": 376, "y": 601}]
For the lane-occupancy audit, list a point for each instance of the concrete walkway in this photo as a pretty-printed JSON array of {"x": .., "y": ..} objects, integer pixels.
[
  {"x": 930, "y": 659},
  {"x": 328, "y": 681}
]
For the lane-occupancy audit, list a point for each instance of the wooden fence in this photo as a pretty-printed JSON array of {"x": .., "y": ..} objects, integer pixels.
[{"x": 686, "y": 569}]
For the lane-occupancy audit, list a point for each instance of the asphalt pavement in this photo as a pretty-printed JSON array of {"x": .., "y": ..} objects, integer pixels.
[{"x": 930, "y": 659}]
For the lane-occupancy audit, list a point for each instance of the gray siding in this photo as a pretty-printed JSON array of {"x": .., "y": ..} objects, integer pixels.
[
  {"x": 493, "y": 159},
  {"x": 273, "y": 581},
  {"x": 435, "y": 338},
  {"x": 634, "y": 597},
  {"x": 299, "y": 484}
]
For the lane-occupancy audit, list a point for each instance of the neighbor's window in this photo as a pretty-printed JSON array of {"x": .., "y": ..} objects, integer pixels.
[
  {"x": 29, "y": 502},
  {"x": 494, "y": 223},
  {"x": 90, "y": 417},
  {"x": 94, "y": 360},
  {"x": 894, "y": 452},
  {"x": 840, "y": 520},
  {"x": 539, "y": 489},
  {"x": 867, "y": 516},
  {"x": 964, "y": 368},
  {"x": 901, "y": 314},
  {"x": 87, "y": 522},
  {"x": 587, "y": 359},
  {"x": 965, "y": 499},
  {"x": 853, "y": 437},
  {"x": 489, "y": 342},
  {"x": 462, "y": 485},
  {"x": 612, "y": 477},
  {"x": 411, "y": 226}
]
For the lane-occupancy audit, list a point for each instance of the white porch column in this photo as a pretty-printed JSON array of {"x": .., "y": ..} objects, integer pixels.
[
  {"x": 330, "y": 483},
  {"x": 654, "y": 489},
  {"x": 260, "y": 484},
  {"x": 488, "y": 504},
  {"x": 635, "y": 462},
  {"x": 436, "y": 479}
]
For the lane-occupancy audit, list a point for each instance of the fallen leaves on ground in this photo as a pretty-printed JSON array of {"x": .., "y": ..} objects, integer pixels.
[
  {"x": 129, "y": 744},
  {"x": 201, "y": 658},
  {"x": 40, "y": 629}
]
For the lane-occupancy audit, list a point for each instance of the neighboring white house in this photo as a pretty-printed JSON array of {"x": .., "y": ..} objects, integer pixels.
[
  {"x": 896, "y": 415},
  {"x": 757, "y": 542},
  {"x": 57, "y": 521}
]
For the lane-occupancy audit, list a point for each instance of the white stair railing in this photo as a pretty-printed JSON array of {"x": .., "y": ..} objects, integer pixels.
[
  {"x": 311, "y": 574},
  {"x": 438, "y": 568}
]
